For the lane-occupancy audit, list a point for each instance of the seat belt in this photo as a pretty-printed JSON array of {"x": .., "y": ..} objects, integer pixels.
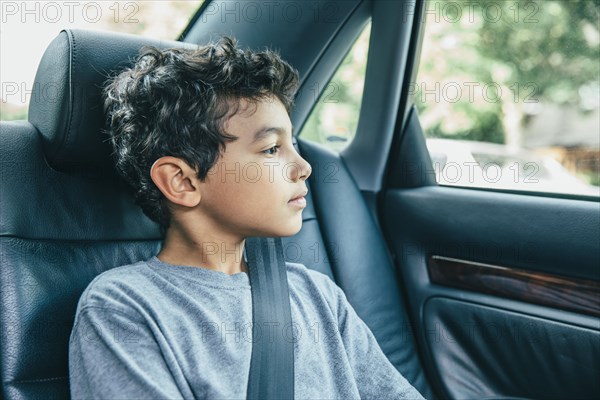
[{"x": 272, "y": 362}]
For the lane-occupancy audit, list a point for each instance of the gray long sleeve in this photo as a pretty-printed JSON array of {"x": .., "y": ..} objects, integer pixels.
[{"x": 162, "y": 331}]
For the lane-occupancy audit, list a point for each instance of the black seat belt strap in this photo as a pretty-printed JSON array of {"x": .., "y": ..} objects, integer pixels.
[{"x": 272, "y": 361}]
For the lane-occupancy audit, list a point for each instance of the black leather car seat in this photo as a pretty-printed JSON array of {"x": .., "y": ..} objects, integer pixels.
[{"x": 65, "y": 217}]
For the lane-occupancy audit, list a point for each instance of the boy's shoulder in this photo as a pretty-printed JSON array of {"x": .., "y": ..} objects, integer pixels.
[
  {"x": 301, "y": 271},
  {"x": 110, "y": 287},
  {"x": 314, "y": 283}
]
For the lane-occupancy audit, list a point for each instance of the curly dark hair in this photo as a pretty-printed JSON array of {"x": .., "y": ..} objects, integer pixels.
[{"x": 174, "y": 102}]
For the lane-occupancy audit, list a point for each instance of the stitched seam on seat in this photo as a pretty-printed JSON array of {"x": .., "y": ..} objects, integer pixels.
[
  {"x": 71, "y": 93},
  {"x": 40, "y": 380}
]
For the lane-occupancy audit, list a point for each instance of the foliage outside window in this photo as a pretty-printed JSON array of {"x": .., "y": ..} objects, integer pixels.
[
  {"x": 334, "y": 119},
  {"x": 508, "y": 94}
]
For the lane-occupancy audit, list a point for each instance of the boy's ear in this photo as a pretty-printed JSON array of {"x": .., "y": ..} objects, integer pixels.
[{"x": 176, "y": 180}]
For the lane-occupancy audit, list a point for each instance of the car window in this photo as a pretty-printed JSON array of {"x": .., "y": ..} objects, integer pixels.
[
  {"x": 334, "y": 118},
  {"x": 37, "y": 23},
  {"x": 508, "y": 94}
]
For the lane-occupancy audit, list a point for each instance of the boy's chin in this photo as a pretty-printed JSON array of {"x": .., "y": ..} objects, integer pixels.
[
  {"x": 285, "y": 231},
  {"x": 291, "y": 228}
]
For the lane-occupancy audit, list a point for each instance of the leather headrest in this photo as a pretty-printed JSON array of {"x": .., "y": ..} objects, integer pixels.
[{"x": 66, "y": 103}]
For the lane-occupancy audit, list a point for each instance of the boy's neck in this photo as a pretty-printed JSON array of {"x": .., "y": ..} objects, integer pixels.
[{"x": 215, "y": 253}]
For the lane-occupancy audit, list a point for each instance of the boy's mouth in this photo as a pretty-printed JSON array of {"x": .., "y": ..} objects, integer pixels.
[{"x": 299, "y": 200}]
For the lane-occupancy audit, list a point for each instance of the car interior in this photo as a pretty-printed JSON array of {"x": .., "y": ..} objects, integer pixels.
[{"x": 470, "y": 293}]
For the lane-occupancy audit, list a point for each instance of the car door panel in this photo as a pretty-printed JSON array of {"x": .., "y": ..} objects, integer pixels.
[
  {"x": 540, "y": 233},
  {"x": 502, "y": 287},
  {"x": 484, "y": 351}
]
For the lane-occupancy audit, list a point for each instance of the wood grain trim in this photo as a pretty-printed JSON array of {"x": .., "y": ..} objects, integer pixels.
[{"x": 572, "y": 294}]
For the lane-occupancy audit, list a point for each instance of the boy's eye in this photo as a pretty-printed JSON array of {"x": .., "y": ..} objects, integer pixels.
[{"x": 272, "y": 150}]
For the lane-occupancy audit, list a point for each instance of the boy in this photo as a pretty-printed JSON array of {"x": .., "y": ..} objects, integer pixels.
[{"x": 184, "y": 125}]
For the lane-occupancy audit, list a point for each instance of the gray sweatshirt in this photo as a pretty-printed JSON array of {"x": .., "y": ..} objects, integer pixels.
[{"x": 153, "y": 330}]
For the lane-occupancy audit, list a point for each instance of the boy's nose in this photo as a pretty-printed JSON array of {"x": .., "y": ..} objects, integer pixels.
[{"x": 301, "y": 170}]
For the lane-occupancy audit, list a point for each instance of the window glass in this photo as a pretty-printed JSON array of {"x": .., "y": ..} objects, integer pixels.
[
  {"x": 29, "y": 27},
  {"x": 334, "y": 118},
  {"x": 508, "y": 94}
]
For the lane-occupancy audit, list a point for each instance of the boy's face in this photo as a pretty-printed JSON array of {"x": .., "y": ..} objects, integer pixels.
[{"x": 248, "y": 191}]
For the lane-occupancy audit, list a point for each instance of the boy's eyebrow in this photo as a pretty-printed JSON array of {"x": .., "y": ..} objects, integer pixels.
[{"x": 269, "y": 130}]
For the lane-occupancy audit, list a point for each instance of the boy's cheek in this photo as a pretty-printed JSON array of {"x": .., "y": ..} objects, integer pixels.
[
  {"x": 246, "y": 172},
  {"x": 271, "y": 170}
]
